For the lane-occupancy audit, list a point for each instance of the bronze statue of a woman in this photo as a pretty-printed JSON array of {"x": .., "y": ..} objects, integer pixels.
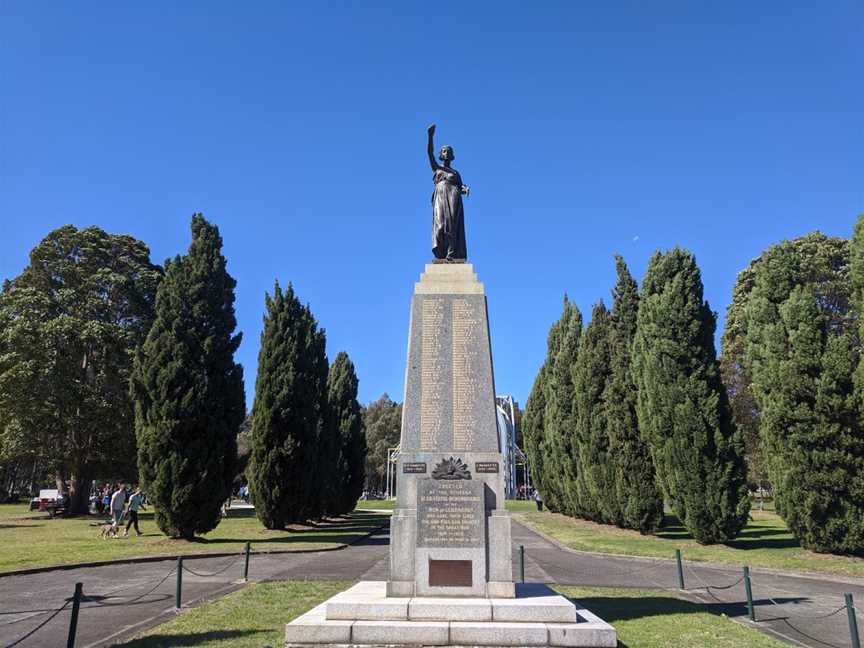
[{"x": 448, "y": 218}]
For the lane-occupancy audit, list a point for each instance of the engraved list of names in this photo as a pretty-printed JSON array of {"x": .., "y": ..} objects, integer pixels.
[
  {"x": 466, "y": 390},
  {"x": 432, "y": 379},
  {"x": 450, "y": 513}
]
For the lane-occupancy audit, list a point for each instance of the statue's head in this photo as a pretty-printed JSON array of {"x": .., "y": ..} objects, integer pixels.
[{"x": 446, "y": 154}]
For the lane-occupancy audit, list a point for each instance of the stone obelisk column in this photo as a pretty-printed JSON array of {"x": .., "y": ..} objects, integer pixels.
[{"x": 450, "y": 531}]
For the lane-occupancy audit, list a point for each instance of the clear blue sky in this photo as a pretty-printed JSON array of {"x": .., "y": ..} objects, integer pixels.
[{"x": 583, "y": 129}]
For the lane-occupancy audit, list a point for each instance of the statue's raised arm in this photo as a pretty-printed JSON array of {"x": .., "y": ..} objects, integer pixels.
[{"x": 430, "y": 148}]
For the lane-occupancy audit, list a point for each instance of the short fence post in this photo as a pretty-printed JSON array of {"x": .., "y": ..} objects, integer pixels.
[
  {"x": 246, "y": 563},
  {"x": 178, "y": 593},
  {"x": 521, "y": 563},
  {"x": 680, "y": 569},
  {"x": 749, "y": 592},
  {"x": 73, "y": 622},
  {"x": 853, "y": 623}
]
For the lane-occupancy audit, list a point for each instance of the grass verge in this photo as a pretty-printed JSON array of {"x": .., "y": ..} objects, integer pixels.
[
  {"x": 648, "y": 619},
  {"x": 34, "y": 540},
  {"x": 254, "y": 617},
  {"x": 250, "y": 618},
  {"x": 764, "y": 542}
]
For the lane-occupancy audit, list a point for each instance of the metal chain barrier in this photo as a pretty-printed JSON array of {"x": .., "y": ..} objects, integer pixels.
[
  {"x": 97, "y": 603},
  {"x": 40, "y": 626},
  {"x": 216, "y": 573}
]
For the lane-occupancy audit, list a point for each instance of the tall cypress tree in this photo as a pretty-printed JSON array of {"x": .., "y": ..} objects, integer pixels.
[
  {"x": 188, "y": 391},
  {"x": 856, "y": 277},
  {"x": 536, "y": 428},
  {"x": 287, "y": 418},
  {"x": 639, "y": 502},
  {"x": 681, "y": 404},
  {"x": 595, "y": 480},
  {"x": 345, "y": 421},
  {"x": 560, "y": 458},
  {"x": 532, "y": 431}
]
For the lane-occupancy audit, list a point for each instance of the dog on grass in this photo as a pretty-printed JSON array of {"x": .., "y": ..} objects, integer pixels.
[{"x": 108, "y": 531}]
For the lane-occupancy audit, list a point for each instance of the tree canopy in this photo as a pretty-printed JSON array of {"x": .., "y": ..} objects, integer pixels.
[{"x": 69, "y": 326}]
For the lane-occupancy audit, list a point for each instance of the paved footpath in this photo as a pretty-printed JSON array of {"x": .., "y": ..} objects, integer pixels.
[{"x": 123, "y": 600}]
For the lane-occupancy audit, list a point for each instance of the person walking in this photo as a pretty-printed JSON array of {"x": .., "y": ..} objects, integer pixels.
[
  {"x": 538, "y": 500},
  {"x": 135, "y": 503},
  {"x": 118, "y": 502}
]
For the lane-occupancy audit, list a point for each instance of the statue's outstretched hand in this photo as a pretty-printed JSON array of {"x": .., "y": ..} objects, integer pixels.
[
  {"x": 466, "y": 190},
  {"x": 431, "y": 129}
]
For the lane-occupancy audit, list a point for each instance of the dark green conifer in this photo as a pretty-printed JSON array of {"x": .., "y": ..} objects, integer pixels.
[
  {"x": 345, "y": 421},
  {"x": 188, "y": 391},
  {"x": 595, "y": 480},
  {"x": 288, "y": 415},
  {"x": 639, "y": 502},
  {"x": 810, "y": 426},
  {"x": 682, "y": 407},
  {"x": 533, "y": 430},
  {"x": 560, "y": 458}
]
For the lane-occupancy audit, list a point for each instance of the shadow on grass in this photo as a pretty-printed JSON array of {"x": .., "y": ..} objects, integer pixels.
[
  {"x": 349, "y": 530},
  {"x": 190, "y": 639},
  {"x": 751, "y": 537},
  {"x": 18, "y": 526},
  {"x": 612, "y": 609}
]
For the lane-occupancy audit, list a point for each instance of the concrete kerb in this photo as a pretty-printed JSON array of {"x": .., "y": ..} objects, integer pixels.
[
  {"x": 827, "y": 576},
  {"x": 133, "y": 560}
]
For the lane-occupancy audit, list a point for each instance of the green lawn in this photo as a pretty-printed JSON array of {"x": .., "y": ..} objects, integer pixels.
[
  {"x": 250, "y": 618},
  {"x": 377, "y": 505},
  {"x": 764, "y": 542},
  {"x": 254, "y": 617},
  {"x": 34, "y": 540},
  {"x": 648, "y": 619}
]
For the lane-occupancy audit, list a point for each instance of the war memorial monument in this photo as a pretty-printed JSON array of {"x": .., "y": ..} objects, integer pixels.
[{"x": 451, "y": 576}]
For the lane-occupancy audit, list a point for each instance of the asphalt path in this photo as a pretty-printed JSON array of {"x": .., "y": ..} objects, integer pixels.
[{"x": 122, "y": 600}]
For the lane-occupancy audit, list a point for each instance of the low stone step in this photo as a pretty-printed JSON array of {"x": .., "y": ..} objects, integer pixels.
[
  {"x": 364, "y": 617},
  {"x": 448, "y": 609},
  {"x": 534, "y": 602}
]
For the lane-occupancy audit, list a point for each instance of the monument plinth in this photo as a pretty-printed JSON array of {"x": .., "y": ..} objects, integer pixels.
[
  {"x": 450, "y": 532},
  {"x": 451, "y": 577}
]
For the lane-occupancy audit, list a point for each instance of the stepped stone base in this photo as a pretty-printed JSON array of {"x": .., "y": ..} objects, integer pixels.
[{"x": 365, "y": 617}]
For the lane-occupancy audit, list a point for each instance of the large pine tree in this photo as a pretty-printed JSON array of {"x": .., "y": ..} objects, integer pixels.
[
  {"x": 288, "y": 415},
  {"x": 639, "y": 502},
  {"x": 188, "y": 391},
  {"x": 69, "y": 327},
  {"x": 595, "y": 480},
  {"x": 682, "y": 406},
  {"x": 345, "y": 421}
]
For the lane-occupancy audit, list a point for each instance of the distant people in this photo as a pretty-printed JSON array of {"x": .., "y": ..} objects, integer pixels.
[
  {"x": 136, "y": 502},
  {"x": 538, "y": 500},
  {"x": 118, "y": 503},
  {"x": 106, "y": 501}
]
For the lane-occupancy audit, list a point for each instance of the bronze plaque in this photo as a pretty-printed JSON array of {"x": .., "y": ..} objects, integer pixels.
[
  {"x": 416, "y": 467},
  {"x": 450, "y": 513},
  {"x": 486, "y": 467},
  {"x": 450, "y": 573}
]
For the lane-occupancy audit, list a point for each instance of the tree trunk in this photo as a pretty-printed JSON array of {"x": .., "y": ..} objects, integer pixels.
[{"x": 79, "y": 492}]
